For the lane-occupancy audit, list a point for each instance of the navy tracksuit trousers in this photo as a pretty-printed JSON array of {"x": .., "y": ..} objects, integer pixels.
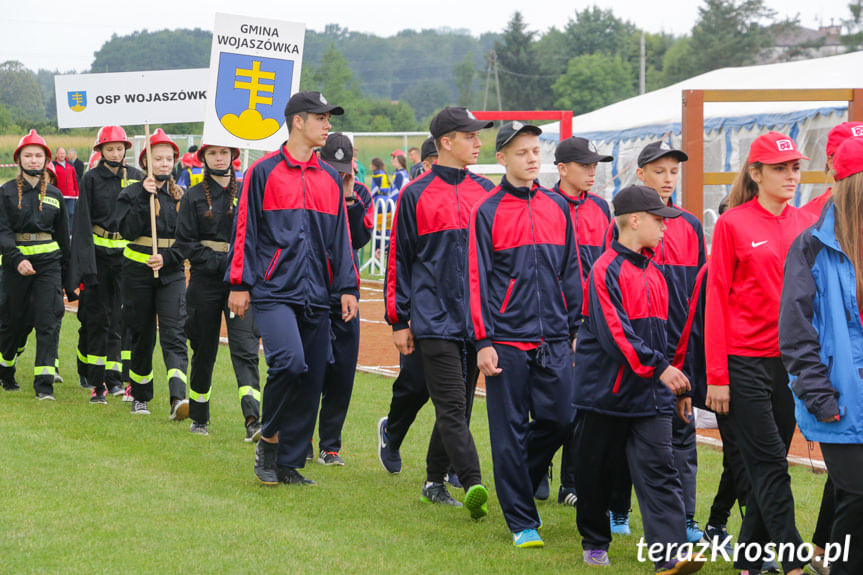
[
  {"x": 339, "y": 380},
  {"x": 530, "y": 414},
  {"x": 645, "y": 442},
  {"x": 297, "y": 348}
]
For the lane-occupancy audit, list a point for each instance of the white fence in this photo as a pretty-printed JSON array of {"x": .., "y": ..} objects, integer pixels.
[{"x": 384, "y": 210}]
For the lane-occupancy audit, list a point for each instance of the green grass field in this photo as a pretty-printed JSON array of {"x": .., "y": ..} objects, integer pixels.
[{"x": 92, "y": 489}]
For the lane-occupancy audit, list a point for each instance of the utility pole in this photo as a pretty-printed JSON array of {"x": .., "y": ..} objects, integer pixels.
[
  {"x": 642, "y": 67},
  {"x": 497, "y": 83},
  {"x": 487, "y": 80}
]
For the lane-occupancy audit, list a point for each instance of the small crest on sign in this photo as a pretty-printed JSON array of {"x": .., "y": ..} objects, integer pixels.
[{"x": 77, "y": 100}]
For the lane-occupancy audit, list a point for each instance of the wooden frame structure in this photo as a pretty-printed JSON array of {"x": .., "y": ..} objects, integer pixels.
[{"x": 692, "y": 133}]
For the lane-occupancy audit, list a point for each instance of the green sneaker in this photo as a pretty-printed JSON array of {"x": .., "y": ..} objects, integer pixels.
[{"x": 476, "y": 500}]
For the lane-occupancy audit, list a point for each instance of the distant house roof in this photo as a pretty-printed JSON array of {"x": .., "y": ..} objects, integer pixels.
[{"x": 801, "y": 35}]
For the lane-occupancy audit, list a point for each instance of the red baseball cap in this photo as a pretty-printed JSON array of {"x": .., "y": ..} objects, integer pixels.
[
  {"x": 848, "y": 159},
  {"x": 842, "y": 132},
  {"x": 397, "y": 153},
  {"x": 774, "y": 148}
]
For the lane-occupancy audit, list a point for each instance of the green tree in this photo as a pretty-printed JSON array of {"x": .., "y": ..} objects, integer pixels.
[
  {"x": 465, "y": 74},
  {"x": 595, "y": 30},
  {"x": 520, "y": 86},
  {"x": 853, "y": 38},
  {"x": 335, "y": 79},
  {"x": 679, "y": 62},
  {"x": 593, "y": 81},
  {"x": 426, "y": 96},
  {"x": 162, "y": 50},
  {"x": 20, "y": 93}
]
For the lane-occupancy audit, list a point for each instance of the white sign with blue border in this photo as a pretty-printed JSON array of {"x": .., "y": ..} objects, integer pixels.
[
  {"x": 127, "y": 98},
  {"x": 255, "y": 66}
]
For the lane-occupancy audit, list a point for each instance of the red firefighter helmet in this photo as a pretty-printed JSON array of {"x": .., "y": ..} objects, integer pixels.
[
  {"x": 94, "y": 160},
  {"x": 190, "y": 160},
  {"x": 33, "y": 139},
  {"x": 111, "y": 134},
  {"x": 235, "y": 152},
  {"x": 158, "y": 137},
  {"x": 53, "y": 172}
]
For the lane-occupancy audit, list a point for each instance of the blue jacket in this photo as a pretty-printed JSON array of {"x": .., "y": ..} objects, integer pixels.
[
  {"x": 426, "y": 282},
  {"x": 525, "y": 285},
  {"x": 291, "y": 242},
  {"x": 821, "y": 335},
  {"x": 623, "y": 340}
]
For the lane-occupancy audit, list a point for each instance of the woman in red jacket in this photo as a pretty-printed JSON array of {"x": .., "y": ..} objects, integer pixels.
[{"x": 745, "y": 375}]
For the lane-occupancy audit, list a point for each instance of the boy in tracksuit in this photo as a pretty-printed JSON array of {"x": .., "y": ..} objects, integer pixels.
[
  {"x": 289, "y": 252},
  {"x": 338, "y": 152},
  {"x": 525, "y": 297},
  {"x": 680, "y": 255},
  {"x": 625, "y": 389},
  {"x": 426, "y": 297},
  {"x": 576, "y": 164}
]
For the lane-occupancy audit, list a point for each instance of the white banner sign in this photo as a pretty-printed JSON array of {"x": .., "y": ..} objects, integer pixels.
[
  {"x": 126, "y": 98},
  {"x": 254, "y": 68}
]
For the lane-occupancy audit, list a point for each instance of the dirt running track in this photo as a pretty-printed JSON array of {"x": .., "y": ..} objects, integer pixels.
[{"x": 378, "y": 355}]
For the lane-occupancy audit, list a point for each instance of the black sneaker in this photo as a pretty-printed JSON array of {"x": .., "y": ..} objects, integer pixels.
[
  {"x": 265, "y": 462},
  {"x": 82, "y": 381},
  {"x": 140, "y": 408},
  {"x": 330, "y": 458},
  {"x": 45, "y": 396},
  {"x": 452, "y": 478},
  {"x": 567, "y": 496},
  {"x": 198, "y": 428},
  {"x": 435, "y": 492},
  {"x": 11, "y": 385},
  {"x": 310, "y": 452},
  {"x": 116, "y": 390},
  {"x": 97, "y": 397},
  {"x": 389, "y": 457},
  {"x": 543, "y": 490},
  {"x": 290, "y": 476},
  {"x": 253, "y": 432}
]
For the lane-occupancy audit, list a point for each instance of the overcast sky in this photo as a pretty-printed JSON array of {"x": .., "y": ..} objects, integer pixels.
[{"x": 64, "y": 35}]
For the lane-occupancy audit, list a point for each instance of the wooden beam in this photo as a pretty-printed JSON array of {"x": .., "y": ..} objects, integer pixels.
[
  {"x": 855, "y": 106},
  {"x": 727, "y": 178},
  {"x": 692, "y": 142},
  {"x": 802, "y": 95}
]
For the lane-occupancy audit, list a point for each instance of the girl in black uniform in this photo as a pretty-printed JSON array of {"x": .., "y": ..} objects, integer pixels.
[
  {"x": 145, "y": 297},
  {"x": 203, "y": 233},
  {"x": 34, "y": 237},
  {"x": 96, "y": 262}
]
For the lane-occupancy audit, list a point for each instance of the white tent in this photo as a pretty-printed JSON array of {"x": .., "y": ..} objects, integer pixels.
[{"x": 623, "y": 128}]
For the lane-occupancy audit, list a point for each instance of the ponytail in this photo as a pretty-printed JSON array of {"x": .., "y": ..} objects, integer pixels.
[
  {"x": 19, "y": 181},
  {"x": 207, "y": 196},
  {"x": 744, "y": 187}
]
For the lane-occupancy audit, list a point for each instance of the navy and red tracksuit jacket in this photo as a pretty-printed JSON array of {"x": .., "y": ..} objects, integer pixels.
[
  {"x": 361, "y": 221},
  {"x": 590, "y": 220},
  {"x": 747, "y": 263},
  {"x": 689, "y": 356},
  {"x": 680, "y": 255},
  {"x": 426, "y": 280},
  {"x": 623, "y": 339},
  {"x": 525, "y": 286},
  {"x": 291, "y": 242}
]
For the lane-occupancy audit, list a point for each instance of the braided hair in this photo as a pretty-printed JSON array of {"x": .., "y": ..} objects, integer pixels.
[
  {"x": 43, "y": 185},
  {"x": 231, "y": 189},
  {"x": 175, "y": 191}
]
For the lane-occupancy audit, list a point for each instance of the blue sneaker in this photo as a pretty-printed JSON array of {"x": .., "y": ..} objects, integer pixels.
[
  {"x": 475, "y": 500},
  {"x": 389, "y": 457},
  {"x": 693, "y": 533},
  {"x": 620, "y": 523},
  {"x": 527, "y": 538}
]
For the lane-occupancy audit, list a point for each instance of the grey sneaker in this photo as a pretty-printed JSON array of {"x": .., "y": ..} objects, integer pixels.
[
  {"x": 253, "y": 432},
  {"x": 199, "y": 428},
  {"x": 140, "y": 408},
  {"x": 265, "y": 462},
  {"x": 596, "y": 558},
  {"x": 437, "y": 493},
  {"x": 45, "y": 396},
  {"x": 331, "y": 458}
]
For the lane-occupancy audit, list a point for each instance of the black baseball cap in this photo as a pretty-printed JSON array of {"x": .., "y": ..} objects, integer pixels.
[
  {"x": 311, "y": 102},
  {"x": 456, "y": 119},
  {"x": 655, "y": 150},
  {"x": 579, "y": 150},
  {"x": 428, "y": 148},
  {"x": 642, "y": 199},
  {"x": 339, "y": 153},
  {"x": 512, "y": 129}
]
